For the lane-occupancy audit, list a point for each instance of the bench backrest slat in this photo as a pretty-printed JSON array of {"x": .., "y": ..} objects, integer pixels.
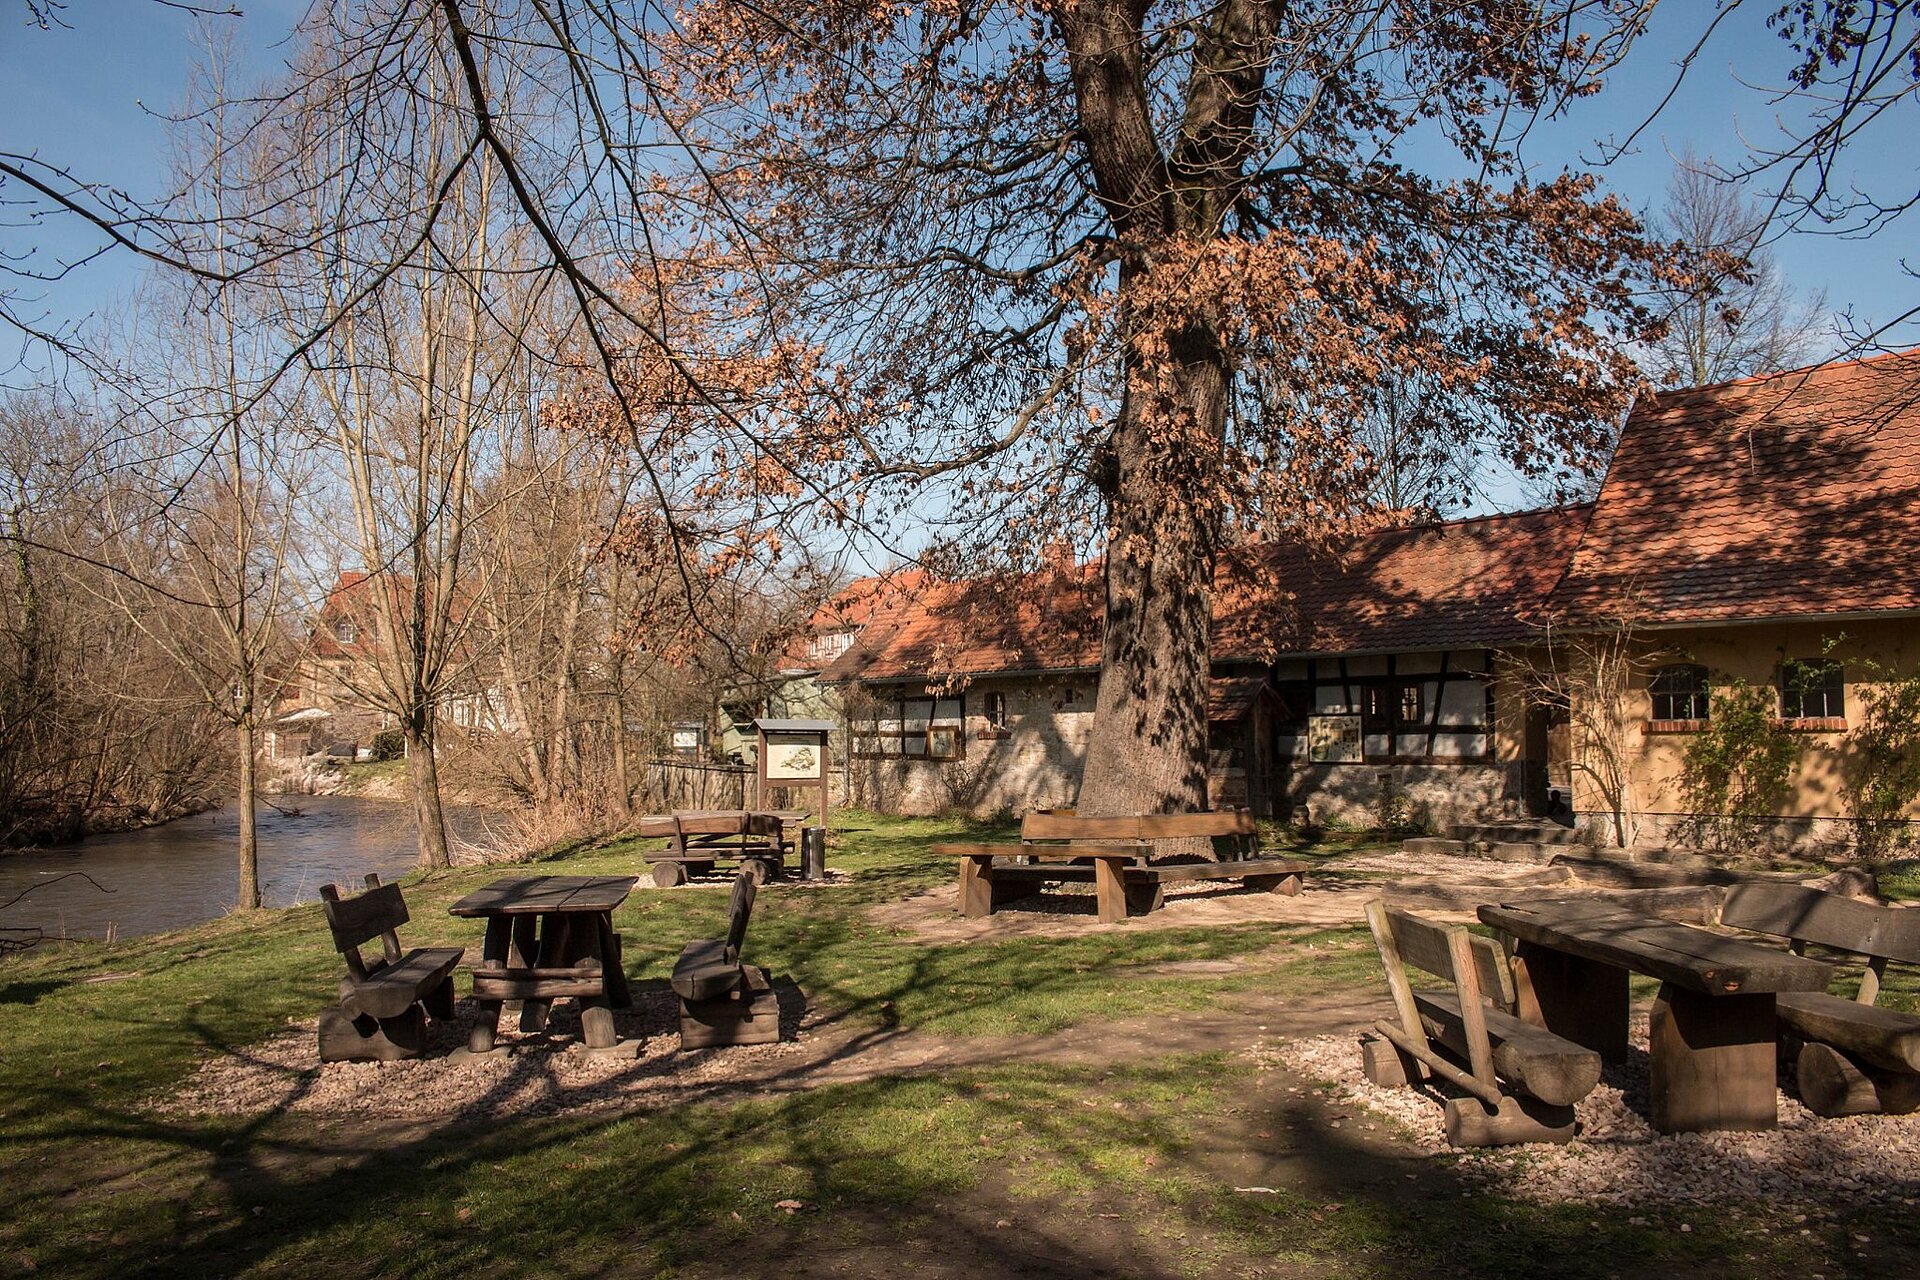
[
  {"x": 364, "y": 917},
  {"x": 1429, "y": 947},
  {"x": 739, "y": 909},
  {"x": 1156, "y": 826},
  {"x": 1825, "y": 919},
  {"x": 1447, "y": 951}
]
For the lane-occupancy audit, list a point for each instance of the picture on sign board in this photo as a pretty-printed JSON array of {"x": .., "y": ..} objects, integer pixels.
[
  {"x": 794, "y": 759},
  {"x": 1333, "y": 738},
  {"x": 686, "y": 739}
]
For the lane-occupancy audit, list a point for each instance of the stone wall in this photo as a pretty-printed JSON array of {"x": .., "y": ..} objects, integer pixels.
[
  {"x": 1434, "y": 797},
  {"x": 1032, "y": 761}
]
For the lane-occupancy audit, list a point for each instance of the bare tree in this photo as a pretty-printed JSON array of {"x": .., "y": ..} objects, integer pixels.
[
  {"x": 205, "y": 541},
  {"x": 1596, "y": 679},
  {"x": 1737, "y": 314}
]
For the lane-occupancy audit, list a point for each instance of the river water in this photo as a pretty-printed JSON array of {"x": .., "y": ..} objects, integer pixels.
[{"x": 187, "y": 871}]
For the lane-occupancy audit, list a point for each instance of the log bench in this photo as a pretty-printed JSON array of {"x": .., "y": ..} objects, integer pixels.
[
  {"x": 1114, "y": 853},
  {"x": 722, "y": 1001},
  {"x": 1849, "y": 1057},
  {"x": 697, "y": 840},
  {"x": 384, "y": 1002},
  {"x": 1521, "y": 1080}
]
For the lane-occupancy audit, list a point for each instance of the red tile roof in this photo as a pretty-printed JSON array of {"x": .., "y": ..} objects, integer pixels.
[
  {"x": 1479, "y": 581},
  {"x": 850, "y": 609},
  {"x": 1046, "y": 621},
  {"x": 1789, "y": 495},
  {"x": 1466, "y": 582}
]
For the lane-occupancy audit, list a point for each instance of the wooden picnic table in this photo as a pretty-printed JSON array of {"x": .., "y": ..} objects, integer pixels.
[
  {"x": 697, "y": 838},
  {"x": 1711, "y": 1036},
  {"x": 548, "y": 938}
]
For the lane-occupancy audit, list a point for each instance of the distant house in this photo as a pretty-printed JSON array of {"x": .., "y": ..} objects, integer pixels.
[
  {"x": 1344, "y": 678},
  {"x": 1764, "y": 530},
  {"x": 793, "y": 689},
  {"x": 327, "y": 704}
]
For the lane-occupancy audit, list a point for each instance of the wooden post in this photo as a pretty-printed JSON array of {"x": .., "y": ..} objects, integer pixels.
[
  {"x": 1712, "y": 1060},
  {"x": 976, "y": 886},
  {"x": 1110, "y": 889}
]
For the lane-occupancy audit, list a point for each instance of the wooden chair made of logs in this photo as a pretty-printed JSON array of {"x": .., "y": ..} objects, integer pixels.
[
  {"x": 1849, "y": 1057},
  {"x": 1521, "y": 1080},
  {"x": 384, "y": 1002},
  {"x": 723, "y": 1001}
]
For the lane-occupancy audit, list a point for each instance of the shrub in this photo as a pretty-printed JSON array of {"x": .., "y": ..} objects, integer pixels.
[
  {"x": 1738, "y": 768},
  {"x": 389, "y": 744},
  {"x": 1882, "y": 778}
]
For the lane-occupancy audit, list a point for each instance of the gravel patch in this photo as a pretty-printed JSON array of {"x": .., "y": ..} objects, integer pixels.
[
  {"x": 1618, "y": 1159},
  {"x": 539, "y": 1074}
]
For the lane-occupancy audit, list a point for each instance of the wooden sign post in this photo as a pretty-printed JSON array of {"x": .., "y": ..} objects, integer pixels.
[{"x": 793, "y": 754}]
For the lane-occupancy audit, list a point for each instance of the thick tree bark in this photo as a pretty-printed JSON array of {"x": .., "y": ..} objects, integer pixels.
[{"x": 1148, "y": 749}]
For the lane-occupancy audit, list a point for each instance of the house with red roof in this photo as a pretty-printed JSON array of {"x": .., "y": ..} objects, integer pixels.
[
  {"x": 793, "y": 690},
  {"x": 1346, "y": 677},
  {"x": 1760, "y": 535},
  {"x": 1760, "y": 532}
]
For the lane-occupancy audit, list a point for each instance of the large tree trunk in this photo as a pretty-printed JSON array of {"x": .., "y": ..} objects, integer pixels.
[
  {"x": 428, "y": 817},
  {"x": 1148, "y": 748},
  {"x": 249, "y": 841}
]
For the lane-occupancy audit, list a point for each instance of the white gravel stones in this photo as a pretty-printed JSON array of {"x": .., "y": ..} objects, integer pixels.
[{"x": 1618, "y": 1159}]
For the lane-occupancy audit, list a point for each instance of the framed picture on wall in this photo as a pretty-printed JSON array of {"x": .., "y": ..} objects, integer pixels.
[{"x": 1333, "y": 739}]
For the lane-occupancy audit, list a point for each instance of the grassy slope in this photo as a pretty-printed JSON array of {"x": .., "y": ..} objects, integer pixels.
[{"x": 98, "y": 1185}]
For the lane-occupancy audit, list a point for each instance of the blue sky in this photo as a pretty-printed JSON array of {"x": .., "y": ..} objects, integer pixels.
[{"x": 88, "y": 97}]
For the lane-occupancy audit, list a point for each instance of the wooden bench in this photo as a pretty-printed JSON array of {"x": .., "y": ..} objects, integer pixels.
[
  {"x": 1113, "y": 853},
  {"x": 722, "y": 1001},
  {"x": 697, "y": 840},
  {"x": 1469, "y": 1036},
  {"x": 1850, "y": 1057},
  {"x": 384, "y": 1002}
]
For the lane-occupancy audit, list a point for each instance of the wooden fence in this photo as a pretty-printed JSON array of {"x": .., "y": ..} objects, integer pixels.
[{"x": 693, "y": 784}]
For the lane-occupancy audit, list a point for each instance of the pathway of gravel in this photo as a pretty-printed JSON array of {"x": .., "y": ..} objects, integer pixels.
[{"x": 1618, "y": 1159}]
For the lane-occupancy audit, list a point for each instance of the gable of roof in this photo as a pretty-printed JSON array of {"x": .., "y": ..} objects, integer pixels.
[{"x": 1787, "y": 495}]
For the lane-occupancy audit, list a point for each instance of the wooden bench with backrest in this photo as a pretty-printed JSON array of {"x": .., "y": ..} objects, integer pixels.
[
  {"x": 383, "y": 1002},
  {"x": 723, "y": 1001},
  {"x": 1115, "y": 854},
  {"x": 1522, "y": 1080},
  {"x": 696, "y": 840},
  {"x": 1850, "y": 1057}
]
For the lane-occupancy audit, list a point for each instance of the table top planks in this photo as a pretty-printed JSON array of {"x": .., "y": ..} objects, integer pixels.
[
  {"x": 545, "y": 895},
  {"x": 1683, "y": 954}
]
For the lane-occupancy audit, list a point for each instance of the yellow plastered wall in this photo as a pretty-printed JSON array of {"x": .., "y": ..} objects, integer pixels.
[{"x": 1756, "y": 653}]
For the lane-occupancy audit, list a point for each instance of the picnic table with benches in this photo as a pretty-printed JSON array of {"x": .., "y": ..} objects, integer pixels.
[
  {"x": 548, "y": 938},
  {"x": 1711, "y": 1040},
  {"x": 697, "y": 839},
  {"x": 1115, "y": 853}
]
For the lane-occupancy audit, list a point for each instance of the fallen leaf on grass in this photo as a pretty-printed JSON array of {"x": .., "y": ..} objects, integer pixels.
[{"x": 791, "y": 1206}]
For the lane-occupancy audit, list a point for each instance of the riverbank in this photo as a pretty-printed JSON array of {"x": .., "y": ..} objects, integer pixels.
[
  {"x": 1041, "y": 1096},
  {"x": 185, "y": 872}
]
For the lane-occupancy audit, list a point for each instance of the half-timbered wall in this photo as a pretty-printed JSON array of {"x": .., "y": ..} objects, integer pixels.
[{"x": 1413, "y": 708}]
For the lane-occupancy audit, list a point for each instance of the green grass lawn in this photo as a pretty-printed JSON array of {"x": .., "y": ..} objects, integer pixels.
[{"x": 1124, "y": 1168}]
